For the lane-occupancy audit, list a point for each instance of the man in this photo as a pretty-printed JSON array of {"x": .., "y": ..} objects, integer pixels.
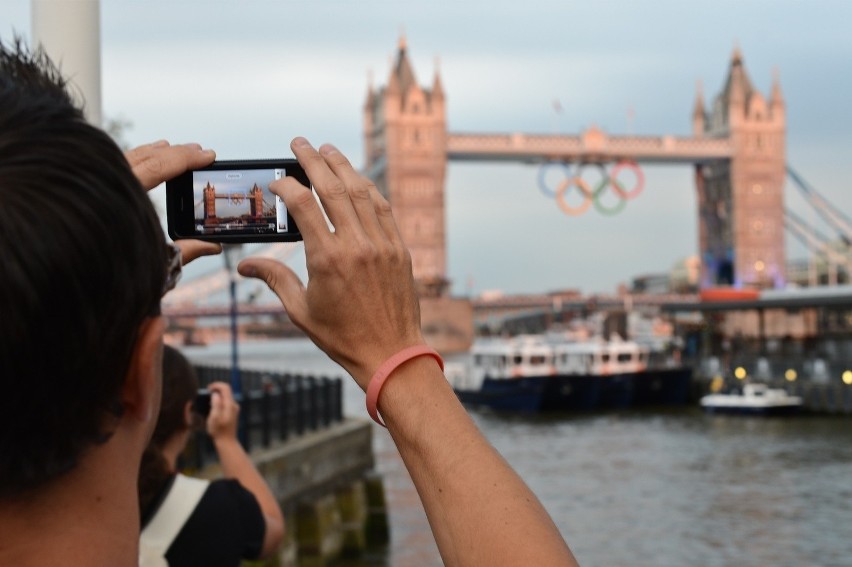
[
  {"x": 84, "y": 265},
  {"x": 81, "y": 340}
]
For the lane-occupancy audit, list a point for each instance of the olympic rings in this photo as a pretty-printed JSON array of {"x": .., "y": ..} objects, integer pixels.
[{"x": 592, "y": 196}]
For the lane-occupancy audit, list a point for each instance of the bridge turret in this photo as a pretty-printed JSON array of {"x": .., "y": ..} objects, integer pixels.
[
  {"x": 699, "y": 115},
  {"x": 776, "y": 100},
  {"x": 738, "y": 91}
]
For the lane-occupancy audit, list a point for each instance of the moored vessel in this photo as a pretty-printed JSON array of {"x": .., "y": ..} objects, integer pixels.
[
  {"x": 753, "y": 398},
  {"x": 553, "y": 372}
]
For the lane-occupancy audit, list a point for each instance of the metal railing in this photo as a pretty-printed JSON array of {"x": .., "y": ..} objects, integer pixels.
[{"x": 273, "y": 408}]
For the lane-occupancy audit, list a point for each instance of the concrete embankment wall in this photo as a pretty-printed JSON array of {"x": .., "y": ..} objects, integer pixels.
[{"x": 333, "y": 501}]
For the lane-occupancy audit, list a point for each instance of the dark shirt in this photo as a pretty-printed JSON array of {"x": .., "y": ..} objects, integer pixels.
[{"x": 226, "y": 527}]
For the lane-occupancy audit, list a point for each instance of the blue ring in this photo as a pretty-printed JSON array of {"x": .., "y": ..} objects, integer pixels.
[{"x": 542, "y": 184}]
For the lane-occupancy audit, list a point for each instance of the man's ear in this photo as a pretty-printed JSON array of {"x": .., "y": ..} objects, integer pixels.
[
  {"x": 188, "y": 416},
  {"x": 143, "y": 385}
]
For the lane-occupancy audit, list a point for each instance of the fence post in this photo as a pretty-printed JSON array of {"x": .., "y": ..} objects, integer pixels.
[
  {"x": 300, "y": 405},
  {"x": 246, "y": 411},
  {"x": 283, "y": 407},
  {"x": 338, "y": 399},
  {"x": 265, "y": 417},
  {"x": 313, "y": 397}
]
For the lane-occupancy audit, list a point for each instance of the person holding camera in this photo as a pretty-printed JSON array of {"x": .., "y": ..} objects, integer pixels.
[
  {"x": 85, "y": 264},
  {"x": 192, "y": 521}
]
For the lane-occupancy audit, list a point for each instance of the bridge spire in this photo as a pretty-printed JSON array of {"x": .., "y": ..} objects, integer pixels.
[
  {"x": 403, "y": 71},
  {"x": 437, "y": 85},
  {"x": 776, "y": 99},
  {"x": 698, "y": 113}
]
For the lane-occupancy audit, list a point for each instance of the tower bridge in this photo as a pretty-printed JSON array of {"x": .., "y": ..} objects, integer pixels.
[{"x": 737, "y": 151}]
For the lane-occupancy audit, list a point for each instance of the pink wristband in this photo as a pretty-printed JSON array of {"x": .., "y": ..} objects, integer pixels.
[{"x": 387, "y": 367}]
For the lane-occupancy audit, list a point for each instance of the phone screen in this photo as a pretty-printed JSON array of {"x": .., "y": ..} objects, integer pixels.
[
  {"x": 238, "y": 201},
  {"x": 230, "y": 201}
]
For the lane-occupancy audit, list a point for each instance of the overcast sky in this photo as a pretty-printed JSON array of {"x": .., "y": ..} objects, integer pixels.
[{"x": 245, "y": 77}]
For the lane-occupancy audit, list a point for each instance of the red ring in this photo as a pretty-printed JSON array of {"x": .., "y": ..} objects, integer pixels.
[{"x": 637, "y": 171}]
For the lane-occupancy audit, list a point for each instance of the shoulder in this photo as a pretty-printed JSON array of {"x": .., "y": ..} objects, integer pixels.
[
  {"x": 227, "y": 523},
  {"x": 229, "y": 492}
]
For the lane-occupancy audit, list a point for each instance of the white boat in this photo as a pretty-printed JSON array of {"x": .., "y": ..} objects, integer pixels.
[
  {"x": 754, "y": 398},
  {"x": 555, "y": 372}
]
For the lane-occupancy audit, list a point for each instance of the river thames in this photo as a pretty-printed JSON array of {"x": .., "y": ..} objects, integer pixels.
[{"x": 658, "y": 488}]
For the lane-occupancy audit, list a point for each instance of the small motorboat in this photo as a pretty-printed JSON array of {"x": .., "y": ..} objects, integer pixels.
[{"x": 753, "y": 399}]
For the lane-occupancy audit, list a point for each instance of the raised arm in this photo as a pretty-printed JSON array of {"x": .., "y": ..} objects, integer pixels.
[
  {"x": 222, "y": 427},
  {"x": 361, "y": 308}
]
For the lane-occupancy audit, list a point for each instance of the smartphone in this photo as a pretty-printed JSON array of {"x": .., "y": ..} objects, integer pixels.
[
  {"x": 201, "y": 404},
  {"x": 230, "y": 202}
]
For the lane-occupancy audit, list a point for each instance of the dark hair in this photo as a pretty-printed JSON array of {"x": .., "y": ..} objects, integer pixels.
[
  {"x": 83, "y": 264},
  {"x": 180, "y": 385}
]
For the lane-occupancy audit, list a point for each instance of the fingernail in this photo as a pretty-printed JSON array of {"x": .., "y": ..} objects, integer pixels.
[
  {"x": 160, "y": 143},
  {"x": 301, "y": 142},
  {"x": 328, "y": 149},
  {"x": 247, "y": 271}
]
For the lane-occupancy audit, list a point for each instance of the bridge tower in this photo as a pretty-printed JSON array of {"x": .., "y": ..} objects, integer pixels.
[
  {"x": 405, "y": 135},
  {"x": 256, "y": 201},
  {"x": 209, "y": 201},
  {"x": 741, "y": 200}
]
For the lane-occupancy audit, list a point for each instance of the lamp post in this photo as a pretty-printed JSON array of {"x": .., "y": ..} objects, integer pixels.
[
  {"x": 70, "y": 33},
  {"x": 231, "y": 253}
]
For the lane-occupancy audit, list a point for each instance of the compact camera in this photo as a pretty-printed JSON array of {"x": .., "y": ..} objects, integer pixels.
[
  {"x": 201, "y": 403},
  {"x": 230, "y": 202}
]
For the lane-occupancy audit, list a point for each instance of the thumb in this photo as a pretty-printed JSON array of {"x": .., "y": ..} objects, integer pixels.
[
  {"x": 281, "y": 280},
  {"x": 192, "y": 249}
]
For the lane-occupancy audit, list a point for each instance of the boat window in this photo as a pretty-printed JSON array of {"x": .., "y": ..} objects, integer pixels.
[
  {"x": 537, "y": 359},
  {"x": 605, "y": 357},
  {"x": 477, "y": 360},
  {"x": 518, "y": 359},
  {"x": 624, "y": 357},
  {"x": 757, "y": 392},
  {"x": 504, "y": 361}
]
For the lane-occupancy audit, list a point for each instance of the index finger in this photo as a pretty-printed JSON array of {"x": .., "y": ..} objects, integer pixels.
[
  {"x": 330, "y": 188},
  {"x": 156, "y": 163}
]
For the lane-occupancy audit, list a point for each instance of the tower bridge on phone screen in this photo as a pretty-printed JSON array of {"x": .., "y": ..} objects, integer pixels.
[{"x": 736, "y": 151}]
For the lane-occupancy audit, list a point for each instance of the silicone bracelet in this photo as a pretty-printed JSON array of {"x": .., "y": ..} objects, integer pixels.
[{"x": 385, "y": 370}]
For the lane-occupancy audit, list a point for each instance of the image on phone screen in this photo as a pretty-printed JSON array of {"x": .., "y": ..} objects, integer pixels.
[{"x": 238, "y": 201}]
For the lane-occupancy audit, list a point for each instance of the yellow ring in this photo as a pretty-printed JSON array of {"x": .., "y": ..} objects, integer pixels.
[{"x": 560, "y": 199}]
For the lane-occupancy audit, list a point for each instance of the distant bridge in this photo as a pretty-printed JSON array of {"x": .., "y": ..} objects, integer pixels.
[{"x": 492, "y": 312}]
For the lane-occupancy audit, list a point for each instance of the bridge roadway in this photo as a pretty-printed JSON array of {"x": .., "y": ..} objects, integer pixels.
[{"x": 592, "y": 146}]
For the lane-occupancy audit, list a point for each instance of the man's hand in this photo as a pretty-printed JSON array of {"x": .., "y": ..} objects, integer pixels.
[
  {"x": 158, "y": 162},
  {"x": 360, "y": 305}
]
